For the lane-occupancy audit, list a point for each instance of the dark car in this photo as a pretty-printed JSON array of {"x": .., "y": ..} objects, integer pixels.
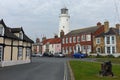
[
  {"x": 79, "y": 55},
  {"x": 48, "y": 54}
]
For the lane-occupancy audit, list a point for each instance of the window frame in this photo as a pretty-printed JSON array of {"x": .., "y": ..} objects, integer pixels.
[
  {"x": 98, "y": 40},
  {"x": 1, "y": 30},
  {"x": 1, "y": 53},
  {"x": 20, "y": 53}
]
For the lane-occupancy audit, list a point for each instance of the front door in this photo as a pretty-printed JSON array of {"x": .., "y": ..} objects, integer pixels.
[{"x": 78, "y": 48}]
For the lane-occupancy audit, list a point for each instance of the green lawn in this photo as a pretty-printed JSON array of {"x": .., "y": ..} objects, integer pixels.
[
  {"x": 113, "y": 60},
  {"x": 90, "y": 71}
]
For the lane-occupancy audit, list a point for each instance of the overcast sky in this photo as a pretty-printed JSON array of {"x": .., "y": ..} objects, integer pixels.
[{"x": 41, "y": 17}]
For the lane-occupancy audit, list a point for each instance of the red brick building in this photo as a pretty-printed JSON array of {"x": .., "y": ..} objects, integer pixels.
[{"x": 81, "y": 40}]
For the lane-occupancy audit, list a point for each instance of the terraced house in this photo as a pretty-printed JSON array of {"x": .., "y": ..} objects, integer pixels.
[
  {"x": 108, "y": 42},
  {"x": 82, "y": 40},
  {"x": 15, "y": 46}
]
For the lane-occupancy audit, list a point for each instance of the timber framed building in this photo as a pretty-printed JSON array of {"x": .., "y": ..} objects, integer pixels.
[{"x": 15, "y": 46}]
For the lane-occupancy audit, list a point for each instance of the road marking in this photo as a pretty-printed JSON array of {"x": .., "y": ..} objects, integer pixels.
[{"x": 65, "y": 71}]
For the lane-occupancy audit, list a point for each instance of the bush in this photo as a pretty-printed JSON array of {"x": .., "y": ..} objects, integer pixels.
[{"x": 110, "y": 56}]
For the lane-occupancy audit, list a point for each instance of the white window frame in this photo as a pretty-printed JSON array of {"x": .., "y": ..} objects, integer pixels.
[
  {"x": 113, "y": 39},
  {"x": 74, "y": 39},
  {"x": 108, "y": 51},
  {"x": 66, "y": 39},
  {"x": 78, "y": 38},
  {"x": 28, "y": 51},
  {"x": 70, "y": 39},
  {"x": 1, "y": 53},
  {"x": 20, "y": 53},
  {"x": 98, "y": 41},
  {"x": 107, "y": 40},
  {"x": 98, "y": 50},
  {"x": 88, "y": 37},
  {"x": 21, "y": 35},
  {"x": 1, "y": 30},
  {"x": 83, "y": 37}
]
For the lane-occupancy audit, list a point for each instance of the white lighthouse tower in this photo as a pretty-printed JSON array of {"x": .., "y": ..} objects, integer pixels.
[{"x": 64, "y": 20}]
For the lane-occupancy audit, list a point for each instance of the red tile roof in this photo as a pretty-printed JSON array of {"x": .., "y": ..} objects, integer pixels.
[{"x": 52, "y": 41}]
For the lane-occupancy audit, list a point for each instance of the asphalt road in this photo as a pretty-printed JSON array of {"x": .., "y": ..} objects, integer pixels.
[{"x": 40, "y": 69}]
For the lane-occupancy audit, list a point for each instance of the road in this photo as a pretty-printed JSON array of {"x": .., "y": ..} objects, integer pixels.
[{"x": 40, "y": 69}]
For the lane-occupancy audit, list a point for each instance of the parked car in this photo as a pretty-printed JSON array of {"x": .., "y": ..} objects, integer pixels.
[
  {"x": 48, "y": 54},
  {"x": 59, "y": 55},
  {"x": 37, "y": 55},
  {"x": 79, "y": 55}
]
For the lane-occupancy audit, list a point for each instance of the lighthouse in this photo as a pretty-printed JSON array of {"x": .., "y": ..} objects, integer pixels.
[{"x": 64, "y": 20}]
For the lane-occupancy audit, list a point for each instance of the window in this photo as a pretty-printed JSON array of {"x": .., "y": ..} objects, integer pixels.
[
  {"x": 113, "y": 49},
  {"x": 98, "y": 50},
  {"x": 108, "y": 40},
  {"x": 83, "y": 37},
  {"x": 113, "y": 40},
  {"x": 20, "y": 53},
  {"x": 97, "y": 40},
  {"x": 1, "y": 31},
  {"x": 70, "y": 40},
  {"x": 28, "y": 52},
  {"x": 1, "y": 51},
  {"x": 66, "y": 40},
  {"x": 108, "y": 50},
  {"x": 21, "y": 35},
  {"x": 57, "y": 45},
  {"x": 78, "y": 39},
  {"x": 74, "y": 39},
  {"x": 70, "y": 49},
  {"x": 88, "y": 37}
]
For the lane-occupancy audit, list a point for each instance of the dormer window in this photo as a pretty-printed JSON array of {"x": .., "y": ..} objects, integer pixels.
[
  {"x": 1, "y": 31},
  {"x": 21, "y": 35}
]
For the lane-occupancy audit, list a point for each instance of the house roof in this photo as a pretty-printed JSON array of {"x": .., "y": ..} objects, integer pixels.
[
  {"x": 52, "y": 41},
  {"x": 112, "y": 31},
  {"x": 9, "y": 32},
  {"x": 16, "y": 30},
  {"x": 84, "y": 30},
  {"x": 25, "y": 37}
]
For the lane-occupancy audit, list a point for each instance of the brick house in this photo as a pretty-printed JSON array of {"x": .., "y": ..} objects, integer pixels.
[
  {"x": 82, "y": 40},
  {"x": 108, "y": 42}
]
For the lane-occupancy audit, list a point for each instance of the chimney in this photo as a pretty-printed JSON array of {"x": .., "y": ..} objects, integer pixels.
[
  {"x": 106, "y": 26},
  {"x": 61, "y": 33},
  {"x": 44, "y": 38},
  {"x": 98, "y": 24},
  {"x": 56, "y": 36},
  {"x": 37, "y": 40},
  {"x": 118, "y": 28}
]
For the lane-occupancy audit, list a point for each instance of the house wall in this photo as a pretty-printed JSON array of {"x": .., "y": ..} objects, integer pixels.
[
  {"x": 7, "y": 53},
  {"x": 15, "y": 53},
  {"x": 57, "y": 47},
  {"x": 101, "y": 45},
  {"x": 1, "y": 39},
  {"x": 118, "y": 44}
]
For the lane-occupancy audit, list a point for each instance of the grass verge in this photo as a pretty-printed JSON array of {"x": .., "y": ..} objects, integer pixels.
[{"x": 90, "y": 71}]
